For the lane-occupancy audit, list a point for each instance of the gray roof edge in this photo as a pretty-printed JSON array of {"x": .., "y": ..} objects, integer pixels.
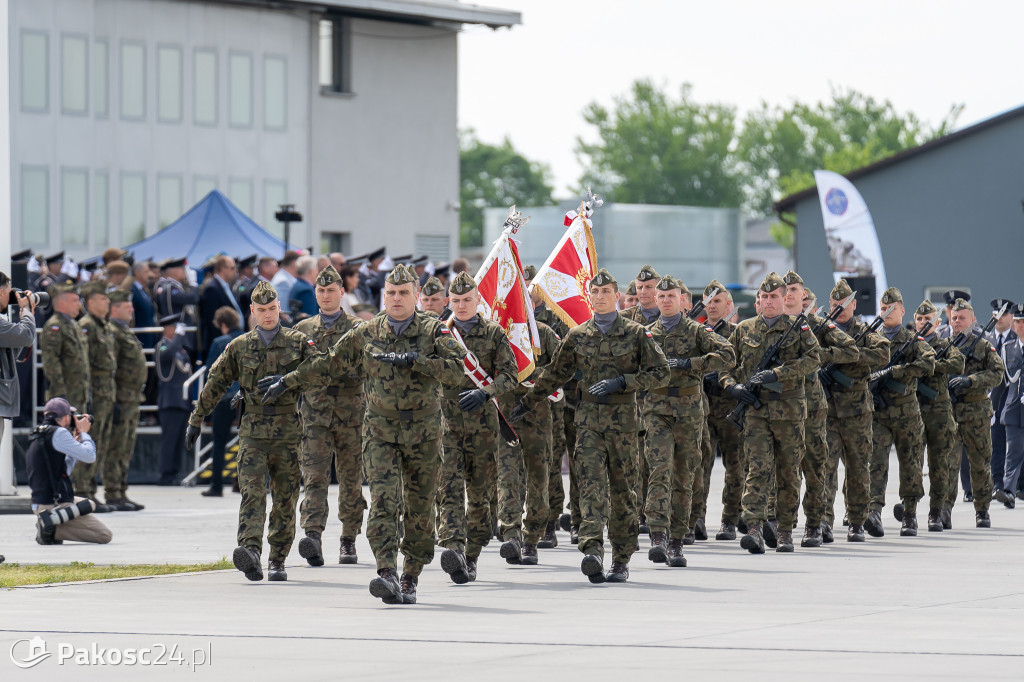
[{"x": 434, "y": 10}]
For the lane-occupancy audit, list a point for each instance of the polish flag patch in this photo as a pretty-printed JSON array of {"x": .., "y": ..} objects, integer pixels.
[
  {"x": 445, "y": 330},
  {"x": 312, "y": 344}
]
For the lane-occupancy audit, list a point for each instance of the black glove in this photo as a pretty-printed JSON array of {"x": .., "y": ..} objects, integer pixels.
[
  {"x": 959, "y": 383},
  {"x": 117, "y": 413},
  {"x": 679, "y": 363},
  {"x": 608, "y": 386},
  {"x": 765, "y": 376},
  {"x": 274, "y": 391},
  {"x": 876, "y": 398},
  {"x": 191, "y": 436},
  {"x": 742, "y": 394},
  {"x": 517, "y": 413},
  {"x": 882, "y": 373},
  {"x": 267, "y": 381},
  {"x": 235, "y": 400},
  {"x": 472, "y": 399},
  {"x": 397, "y": 359},
  {"x": 825, "y": 377}
]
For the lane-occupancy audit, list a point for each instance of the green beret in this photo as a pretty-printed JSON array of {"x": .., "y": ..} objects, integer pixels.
[
  {"x": 792, "y": 278},
  {"x": 712, "y": 285},
  {"x": 809, "y": 295},
  {"x": 119, "y": 296},
  {"x": 682, "y": 286},
  {"x": 402, "y": 275},
  {"x": 57, "y": 289},
  {"x": 462, "y": 284},
  {"x": 328, "y": 276},
  {"x": 603, "y": 278},
  {"x": 530, "y": 272},
  {"x": 771, "y": 282},
  {"x": 263, "y": 293},
  {"x": 631, "y": 289},
  {"x": 93, "y": 287},
  {"x": 841, "y": 290},
  {"x": 892, "y": 295},
  {"x": 667, "y": 283},
  {"x": 961, "y": 304},
  {"x": 926, "y": 308},
  {"x": 433, "y": 286},
  {"x": 647, "y": 273}
]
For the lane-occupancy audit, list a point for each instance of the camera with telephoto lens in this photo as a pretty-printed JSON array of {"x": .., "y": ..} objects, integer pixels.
[{"x": 39, "y": 298}]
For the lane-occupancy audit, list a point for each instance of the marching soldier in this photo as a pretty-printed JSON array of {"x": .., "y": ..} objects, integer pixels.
[
  {"x": 773, "y": 433},
  {"x": 949, "y": 298},
  {"x": 629, "y": 298},
  {"x": 972, "y": 409},
  {"x": 102, "y": 354},
  {"x": 129, "y": 380},
  {"x": 405, "y": 357},
  {"x": 937, "y": 416},
  {"x": 849, "y": 418},
  {"x": 332, "y": 418},
  {"x": 268, "y": 436},
  {"x": 434, "y": 299},
  {"x": 897, "y": 418},
  {"x": 614, "y": 358},
  {"x": 674, "y": 415}
]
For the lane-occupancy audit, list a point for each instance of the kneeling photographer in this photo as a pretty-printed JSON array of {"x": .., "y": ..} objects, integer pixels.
[{"x": 57, "y": 444}]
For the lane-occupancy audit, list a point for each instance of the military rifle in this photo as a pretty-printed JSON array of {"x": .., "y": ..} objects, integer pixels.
[
  {"x": 831, "y": 374},
  {"x": 884, "y": 378},
  {"x": 770, "y": 355},
  {"x": 833, "y": 314},
  {"x": 967, "y": 347},
  {"x": 700, "y": 305}
]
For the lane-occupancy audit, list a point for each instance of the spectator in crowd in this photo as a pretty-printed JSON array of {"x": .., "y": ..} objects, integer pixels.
[
  {"x": 350, "y": 283},
  {"x": 16, "y": 334},
  {"x": 303, "y": 295},
  {"x": 459, "y": 265},
  {"x": 338, "y": 260},
  {"x": 216, "y": 293},
  {"x": 285, "y": 278},
  {"x": 117, "y": 274},
  {"x": 229, "y": 323},
  {"x": 172, "y": 369}
]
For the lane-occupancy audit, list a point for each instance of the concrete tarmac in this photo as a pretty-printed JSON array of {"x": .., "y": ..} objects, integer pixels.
[{"x": 938, "y": 606}]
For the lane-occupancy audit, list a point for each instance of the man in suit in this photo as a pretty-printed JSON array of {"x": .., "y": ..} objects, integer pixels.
[
  {"x": 1000, "y": 337},
  {"x": 303, "y": 299},
  {"x": 1012, "y": 416},
  {"x": 214, "y": 295}
]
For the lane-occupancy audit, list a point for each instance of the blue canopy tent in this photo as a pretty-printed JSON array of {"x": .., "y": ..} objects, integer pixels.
[{"x": 211, "y": 227}]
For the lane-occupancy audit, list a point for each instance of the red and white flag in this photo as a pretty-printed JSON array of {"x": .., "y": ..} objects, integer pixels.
[
  {"x": 504, "y": 299},
  {"x": 564, "y": 279}
]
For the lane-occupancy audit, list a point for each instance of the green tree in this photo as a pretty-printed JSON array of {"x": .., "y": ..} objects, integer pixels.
[
  {"x": 654, "y": 149},
  {"x": 495, "y": 176}
]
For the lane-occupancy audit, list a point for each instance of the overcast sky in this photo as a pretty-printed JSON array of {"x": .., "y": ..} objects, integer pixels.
[{"x": 532, "y": 82}]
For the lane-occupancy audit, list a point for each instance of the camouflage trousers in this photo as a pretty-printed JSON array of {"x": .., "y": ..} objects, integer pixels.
[
  {"x": 726, "y": 439},
  {"x": 975, "y": 436},
  {"x": 119, "y": 451},
  {"x": 556, "y": 490},
  {"x": 849, "y": 440},
  {"x": 402, "y": 482},
  {"x": 702, "y": 476},
  {"x": 673, "y": 451},
  {"x": 83, "y": 476},
  {"x": 258, "y": 460},
  {"x": 569, "y": 425},
  {"x": 814, "y": 464},
  {"x": 940, "y": 436},
  {"x": 467, "y": 479},
  {"x": 642, "y": 472},
  {"x": 343, "y": 444},
  {"x": 606, "y": 468},
  {"x": 772, "y": 446},
  {"x": 526, "y": 468},
  {"x": 907, "y": 433}
]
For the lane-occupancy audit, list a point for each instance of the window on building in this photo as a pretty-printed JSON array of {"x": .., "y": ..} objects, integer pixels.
[
  {"x": 101, "y": 208},
  {"x": 35, "y": 71},
  {"x": 240, "y": 90},
  {"x": 240, "y": 193},
  {"x": 74, "y": 74},
  {"x": 204, "y": 82},
  {"x": 133, "y": 207},
  {"x": 35, "y": 205},
  {"x": 201, "y": 186},
  {"x": 168, "y": 200},
  {"x": 275, "y": 93},
  {"x": 101, "y": 78},
  {"x": 133, "y": 81},
  {"x": 334, "y": 55},
  {"x": 336, "y": 241},
  {"x": 168, "y": 82},
  {"x": 275, "y": 193},
  {"x": 437, "y": 246},
  {"x": 74, "y": 206}
]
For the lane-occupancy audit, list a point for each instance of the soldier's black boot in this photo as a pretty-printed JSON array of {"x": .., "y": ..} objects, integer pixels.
[
  {"x": 909, "y": 527},
  {"x": 812, "y": 537},
  {"x": 408, "y": 584},
  {"x": 275, "y": 571},
  {"x": 386, "y": 587},
  {"x": 675, "y": 554},
  {"x": 753, "y": 541},
  {"x": 981, "y": 519},
  {"x": 138, "y": 505},
  {"x": 700, "y": 530},
  {"x": 856, "y": 533},
  {"x": 770, "y": 532},
  {"x": 658, "y": 553},
  {"x": 690, "y": 537},
  {"x": 826, "y": 533},
  {"x": 565, "y": 522},
  {"x": 727, "y": 531},
  {"x": 574, "y": 535},
  {"x": 934, "y": 521},
  {"x": 619, "y": 572},
  {"x": 897, "y": 511},
  {"x": 947, "y": 519},
  {"x": 785, "y": 543},
  {"x": 471, "y": 567},
  {"x": 247, "y": 560},
  {"x": 529, "y": 555},
  {"x": 741, "y": 526},
  {"x": 593, "y": 569},
  {"x": 873, "y": 525},
  {"x": 550, "y": 540},
  {"x": 46, "y": 536},
  {"x": 512, "y": 551},
  {"x": 644, "y": 528},
  {"x": 453, "y": 562},
  {"x": 310, "y": 548},
  {"x": 347, "y": 552}
]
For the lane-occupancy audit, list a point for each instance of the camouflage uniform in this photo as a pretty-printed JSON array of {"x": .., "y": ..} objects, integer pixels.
[
  {"x": 560, "y": 415},
  {"x": 401, "y": 427},
  {"x": 332, "y": 418},
  {"x": 102, "y": 354},
  {"x": 268, "y": 435},
  {"x": 725, "y": 439},
  {"x": 130, "y": 379},
  {"x": 65, "y": 360},
  {"x": 937, "y": 415}
]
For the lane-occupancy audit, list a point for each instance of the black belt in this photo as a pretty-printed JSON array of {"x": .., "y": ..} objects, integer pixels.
[
  {"x": 270, "y": 410},
  {"x": 675, "y": 392},
  {"x": 614, "y": 399},
  {"x": 336, "y": 390}
]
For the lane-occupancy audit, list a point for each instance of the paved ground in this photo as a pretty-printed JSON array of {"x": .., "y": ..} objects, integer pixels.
[{"x": 937, "y": 606}]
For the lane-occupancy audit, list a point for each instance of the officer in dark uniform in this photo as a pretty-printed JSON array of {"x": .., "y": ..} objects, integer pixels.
[
  {"x": 172, "y": 296},
  {"x": 173, "y": 367},
  {"x": 1001, "y": 337}
]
